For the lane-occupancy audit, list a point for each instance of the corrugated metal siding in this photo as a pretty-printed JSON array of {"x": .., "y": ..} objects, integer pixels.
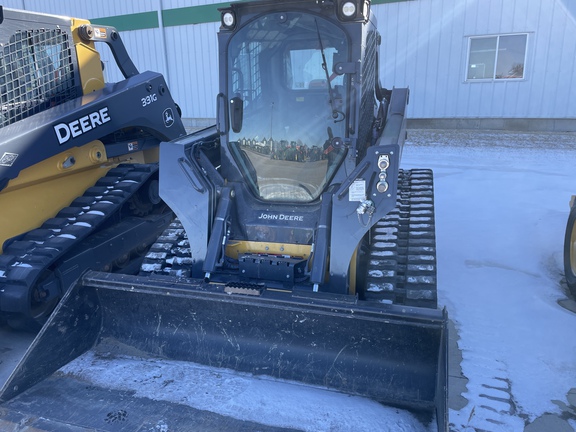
[
  {"x": 557, "y": 50},
  {"x": 192, "y": 53},
  {"x": 193, "y": 64},
  {"x": 15, "y": 4},
  {"x": 425, "y": 47}
]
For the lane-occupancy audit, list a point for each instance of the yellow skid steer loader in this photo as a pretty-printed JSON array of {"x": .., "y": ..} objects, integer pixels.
[{"x": 78, "y": 160}]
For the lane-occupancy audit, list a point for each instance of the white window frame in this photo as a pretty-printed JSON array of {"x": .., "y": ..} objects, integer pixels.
[{"x": 493, "y": 78}]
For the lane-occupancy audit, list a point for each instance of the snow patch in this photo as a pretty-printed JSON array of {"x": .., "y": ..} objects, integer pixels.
[
  {"x": 68, "y": 236},
  {"x": 243, "y": 396},
  {"x": 84, "y": 224}
]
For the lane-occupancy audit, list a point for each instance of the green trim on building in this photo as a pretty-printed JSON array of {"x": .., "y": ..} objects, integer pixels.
[
  {"x": 178, "y": 16},
  {"x": 137, "y": 21},
  {"x": 192, "y": 15}
]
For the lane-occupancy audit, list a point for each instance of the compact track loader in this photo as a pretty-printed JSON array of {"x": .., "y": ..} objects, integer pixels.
[
  {"x": 301, "y": 250},
  {"x": 78, "y": 159}
]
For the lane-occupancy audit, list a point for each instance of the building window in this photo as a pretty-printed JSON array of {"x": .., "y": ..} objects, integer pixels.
[{"x": 497, "y": 57}]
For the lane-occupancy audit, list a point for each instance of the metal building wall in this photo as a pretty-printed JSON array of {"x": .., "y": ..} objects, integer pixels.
[
  {"x": 193, "y": 64},
  {"x": 192, "y": 54},
  {"x": 425, "y": 47}
]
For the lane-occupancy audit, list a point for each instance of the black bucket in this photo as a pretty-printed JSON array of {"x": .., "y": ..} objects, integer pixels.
[{"x": 392, "y": 354}]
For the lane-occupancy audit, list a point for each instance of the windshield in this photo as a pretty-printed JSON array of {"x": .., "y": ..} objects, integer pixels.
[{"x": 290, "y": 140}]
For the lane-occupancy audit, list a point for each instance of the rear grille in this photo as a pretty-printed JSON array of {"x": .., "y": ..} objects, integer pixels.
[{"x": 37, "y": 72}]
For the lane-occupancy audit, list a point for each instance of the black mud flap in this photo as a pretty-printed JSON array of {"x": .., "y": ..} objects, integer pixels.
[{"x": 394, "y": 355}]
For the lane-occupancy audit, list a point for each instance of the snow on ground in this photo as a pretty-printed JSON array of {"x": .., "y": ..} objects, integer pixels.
[
  {"x": 242, "y": 396},
  {"x": 501, "y": 212}
]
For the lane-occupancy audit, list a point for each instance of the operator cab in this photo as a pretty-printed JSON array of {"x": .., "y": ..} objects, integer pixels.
[{"x": 287, "y": 105}]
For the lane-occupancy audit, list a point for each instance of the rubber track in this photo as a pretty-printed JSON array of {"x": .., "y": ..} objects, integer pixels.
[
  {"x": 402, "y": 254},
  {"x": 23, "y": 261},
  {"x": 170, "y": 254}
]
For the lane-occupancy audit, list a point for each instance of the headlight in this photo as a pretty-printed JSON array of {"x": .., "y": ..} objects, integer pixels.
[
  {"x": 228, "y": 20},
  {"x": 348, "y": 9},
  {"x": 353, "y": 10}
]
